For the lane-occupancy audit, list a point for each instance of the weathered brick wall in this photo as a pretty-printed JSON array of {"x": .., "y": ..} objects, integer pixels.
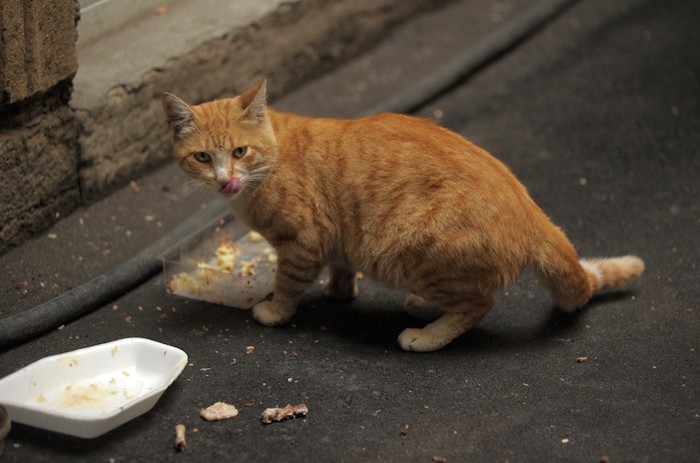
[
  {"x": 37, "y": 46},
  {"x": 38, "y": 131}
]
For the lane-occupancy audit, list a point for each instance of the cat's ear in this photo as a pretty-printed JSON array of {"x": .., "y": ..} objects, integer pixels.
[
  {"x": 254, "y": 103},
  {"x": 178, "y": 113}
]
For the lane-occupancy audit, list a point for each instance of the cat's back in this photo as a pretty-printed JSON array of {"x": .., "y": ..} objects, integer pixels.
[
  {"x": 382, "y": 151},
  {"x": 380, "y": 130},
  {"x": 422, "y": 149},
  {"x": 419, "y": 142},
  {"x": 401, "y": 130}
]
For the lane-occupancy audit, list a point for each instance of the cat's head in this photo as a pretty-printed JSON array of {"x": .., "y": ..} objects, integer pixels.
[{"x": 227, "y": 144}]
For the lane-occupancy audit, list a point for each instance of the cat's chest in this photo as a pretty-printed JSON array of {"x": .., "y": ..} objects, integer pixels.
[
  {"x": 275, "y": 219},
  {"x": 241, "y": 211},
  {"x": 259, "y": 213}
]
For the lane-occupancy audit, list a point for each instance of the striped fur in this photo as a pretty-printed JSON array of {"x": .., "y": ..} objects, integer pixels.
[{"x": 400, "y": 199}]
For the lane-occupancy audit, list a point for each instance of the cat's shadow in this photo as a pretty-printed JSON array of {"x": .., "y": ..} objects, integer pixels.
[
  {"x": 376, "y": 319},
  {"x": 379, "y": 322}
]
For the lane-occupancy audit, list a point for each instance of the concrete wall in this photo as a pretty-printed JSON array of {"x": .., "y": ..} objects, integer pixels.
[{"x": 59, "y": 152}]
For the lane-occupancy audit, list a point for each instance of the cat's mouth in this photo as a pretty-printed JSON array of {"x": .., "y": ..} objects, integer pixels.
[{"x": 232, "y": 187}]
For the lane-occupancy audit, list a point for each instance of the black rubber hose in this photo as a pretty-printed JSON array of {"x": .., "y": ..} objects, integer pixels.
[
  {"x": 126, "y": 276},
  {"x": 488, "y": 49},
  {"x": 104, "y": 288}
]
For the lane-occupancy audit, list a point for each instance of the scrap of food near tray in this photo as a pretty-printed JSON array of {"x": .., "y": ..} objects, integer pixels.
[
  {"x": 180, "y": 442},
  {"x": 218, "y": 411},
  {"x": 283, "y": 413}
]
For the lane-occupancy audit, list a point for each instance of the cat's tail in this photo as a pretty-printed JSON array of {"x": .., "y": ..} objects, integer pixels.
[{"x": 573, "y": 281}]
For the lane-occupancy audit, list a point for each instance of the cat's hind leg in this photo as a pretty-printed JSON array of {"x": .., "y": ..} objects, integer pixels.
[
  {"x": 418, "y": 307},
  {"x": 457, "y": 318},
  {"x": 342, "y": 284}
]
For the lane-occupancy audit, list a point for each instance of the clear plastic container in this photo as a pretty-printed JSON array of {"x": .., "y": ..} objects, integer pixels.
[{"x": 224, "y": 264}]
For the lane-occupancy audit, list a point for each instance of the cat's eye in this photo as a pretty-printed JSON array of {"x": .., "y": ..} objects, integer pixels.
[
  {"x": 239, "y": 152},
  {"x": 202, "y": 157}
]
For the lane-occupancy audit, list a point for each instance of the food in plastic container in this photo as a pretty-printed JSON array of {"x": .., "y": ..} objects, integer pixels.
[{"x": 222, "y": 263}]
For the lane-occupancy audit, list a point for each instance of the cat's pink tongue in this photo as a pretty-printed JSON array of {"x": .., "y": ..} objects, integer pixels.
[{"x": 233, "y": 186}]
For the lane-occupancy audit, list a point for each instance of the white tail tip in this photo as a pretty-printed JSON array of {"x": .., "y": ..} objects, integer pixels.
[{"x": 612, "y": 272}]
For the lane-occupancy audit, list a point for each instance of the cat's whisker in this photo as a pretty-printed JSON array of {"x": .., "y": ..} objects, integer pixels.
[
  {"x": 193, "y": 187},
  {"x": 252, "y": 183},
  {"x": 255, "y": 176},
  {"x": 262, "y": 170}
]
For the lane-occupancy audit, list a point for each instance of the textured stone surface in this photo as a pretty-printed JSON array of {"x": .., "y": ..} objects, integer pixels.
[
  {"x": 38, "y": 131},
  {"x": 37, "y": 46},
  {"x": 38, "y": 175}
]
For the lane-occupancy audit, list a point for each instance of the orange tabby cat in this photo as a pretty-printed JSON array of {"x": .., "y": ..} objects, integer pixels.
[{"x": 401, "y": 199}]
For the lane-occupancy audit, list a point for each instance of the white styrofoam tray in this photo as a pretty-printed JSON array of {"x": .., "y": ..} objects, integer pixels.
[{"x": 90, "y": 391}]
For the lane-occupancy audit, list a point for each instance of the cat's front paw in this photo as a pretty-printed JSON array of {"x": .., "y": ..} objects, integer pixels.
[
  {"x": 270, "y": 314},
  {"x": 421, "y": 340}
]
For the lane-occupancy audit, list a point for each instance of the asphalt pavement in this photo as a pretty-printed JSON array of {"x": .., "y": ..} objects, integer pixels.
[{"x": 597, "y": 114}]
